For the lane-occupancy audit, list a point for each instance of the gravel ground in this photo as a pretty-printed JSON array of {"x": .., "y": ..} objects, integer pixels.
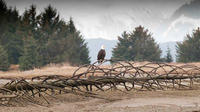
[{"x": 144, "y": 101}]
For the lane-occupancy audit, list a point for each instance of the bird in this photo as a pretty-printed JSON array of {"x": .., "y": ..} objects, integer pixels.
[{"x": 101, "y": 54}]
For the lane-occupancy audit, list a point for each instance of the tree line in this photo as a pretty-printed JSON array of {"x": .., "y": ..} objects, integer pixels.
[
  {"x": 139, "y": 45},
  {"x": 33, "y": 40}
]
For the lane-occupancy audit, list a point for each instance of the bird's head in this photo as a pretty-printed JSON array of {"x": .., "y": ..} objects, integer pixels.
[{"x": 102, "y": 47}]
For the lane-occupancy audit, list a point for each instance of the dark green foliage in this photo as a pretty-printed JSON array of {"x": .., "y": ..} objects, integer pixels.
[
  {"x": 77, "y": 53},
  {"x": 137, "y": 46},
  {"x": 10, "y": 37},
  {"x": 72, "y": 28},
  {"x": 13, "y": 45},
  {"x": 42, "y": 54},
  {"x": 49, "y": 23},
  {"x": 3, "y": 11},
  {"x": 4, "y": 63},
  {"x": 189, "y": 49},
  {"x": 40, "y": 39},
  {"x": 168, "y": 57},
  {"x": 63, "y": 42},
  {"x": 28, "y": 60},
  {"x": 29, "y": 22},
  {"x": 50, "y": 27}
]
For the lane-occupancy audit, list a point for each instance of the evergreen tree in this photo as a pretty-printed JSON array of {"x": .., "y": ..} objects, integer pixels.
[
  {"x": 13, "y": 46},
  {"x": 72, "y": 28},
  {"x": 49, "y": 29},
  {"x": 138, "y": 45},
  {"x": 122, "y": 49},
  {"x": 67, "y": 45},
  {"x": 57, "y": 44},
  {"x": 77, "y": 53},
  {"x": 29, "y": 58},
  {"x": 49, "y": 22},
  {"x": 30, "y": 22},
  {"x": 168, "y": 56},
  {"x": 4, "y": 63},
  {"x": 10, "y": 39},
  {"x": 3, "y": 11},
  {"x": 54, "y": 40},
  {"x": 189, "y": 50}
]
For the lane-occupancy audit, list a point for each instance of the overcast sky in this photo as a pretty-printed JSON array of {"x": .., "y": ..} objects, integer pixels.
[{"x": 109, "y": 18}]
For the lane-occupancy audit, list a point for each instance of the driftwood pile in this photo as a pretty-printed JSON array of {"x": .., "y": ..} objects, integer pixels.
[{"x": 120, "y": 75}]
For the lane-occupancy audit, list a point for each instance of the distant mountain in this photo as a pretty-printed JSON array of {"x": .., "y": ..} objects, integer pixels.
[
  {"x": 172, "y": 47},
  {"x": 94, "y": 46}
]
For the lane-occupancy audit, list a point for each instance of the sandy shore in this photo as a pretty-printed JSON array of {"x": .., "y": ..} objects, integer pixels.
[{"x": 144, "y": 101}]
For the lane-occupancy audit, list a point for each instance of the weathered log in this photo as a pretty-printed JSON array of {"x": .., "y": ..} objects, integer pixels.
[
  {"x": 92, "y": 80},
  {"x": 120, "y": 76}
]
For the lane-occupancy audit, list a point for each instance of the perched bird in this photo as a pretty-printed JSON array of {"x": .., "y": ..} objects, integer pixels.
[{"x": 101, "y": 55}]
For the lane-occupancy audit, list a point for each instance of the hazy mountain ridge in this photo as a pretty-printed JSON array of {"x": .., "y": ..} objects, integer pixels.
[
  {"x": 94, "y": 46},
  {"x": 172, "y": 47}
]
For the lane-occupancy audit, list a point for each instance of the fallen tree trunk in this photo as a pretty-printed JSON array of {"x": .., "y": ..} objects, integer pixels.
[
  {"x": 97, "y": 78},
  {"x": 92, "y": 80}
]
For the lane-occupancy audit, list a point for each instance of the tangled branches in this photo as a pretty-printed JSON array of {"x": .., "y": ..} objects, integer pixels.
[{"x": 87, "y": 79}]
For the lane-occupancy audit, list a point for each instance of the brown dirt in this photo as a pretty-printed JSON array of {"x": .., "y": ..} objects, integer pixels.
[{"x": 143, "y": 101}]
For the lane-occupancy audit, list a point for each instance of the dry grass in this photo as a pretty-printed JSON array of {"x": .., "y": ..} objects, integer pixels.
[
  {"x": 64, "y": 69},
  {"x": 131, "y": 101}
]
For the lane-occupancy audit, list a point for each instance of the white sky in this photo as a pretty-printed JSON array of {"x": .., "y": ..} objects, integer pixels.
[{"x": 109, "y": 18}]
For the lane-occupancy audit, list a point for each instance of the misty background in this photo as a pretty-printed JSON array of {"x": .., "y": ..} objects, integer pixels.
[{"x": 102, "y": 21}]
